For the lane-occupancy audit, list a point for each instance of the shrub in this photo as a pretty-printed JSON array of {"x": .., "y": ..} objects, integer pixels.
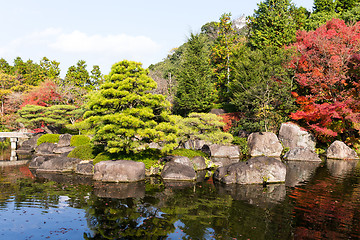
[
  {"x": 243, "y": 145},
  {"x": 50, "y": 138},
  {"x": 78, "y": 140},
  {"x": 83, "y": 152}
]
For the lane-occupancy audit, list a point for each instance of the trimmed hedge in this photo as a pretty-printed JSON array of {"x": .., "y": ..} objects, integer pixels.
[
  {"x": 50, "y": 138},
  {"x": 83, "y": 152},
  {"x": 78, "y": 140}
]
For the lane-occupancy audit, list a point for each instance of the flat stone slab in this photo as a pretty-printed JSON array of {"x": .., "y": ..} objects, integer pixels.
[
  {"x": 119, "y": 171},
  {"x": 59, "y": 164}
]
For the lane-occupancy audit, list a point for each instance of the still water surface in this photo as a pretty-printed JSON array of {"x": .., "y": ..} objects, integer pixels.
[{"x": 318, "y": 201}]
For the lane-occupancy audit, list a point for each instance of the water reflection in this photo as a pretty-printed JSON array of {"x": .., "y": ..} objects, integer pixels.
[
  {"x": 322, "y": 206},
  {"x": 299, "y": 172},
  {"x": 341, "y": 168},
  {"x": 255, "y": 194}
]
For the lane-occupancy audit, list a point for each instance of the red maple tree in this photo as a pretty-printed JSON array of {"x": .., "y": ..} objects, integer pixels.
[
  {"x": 43, "y": 95},
  {"x": 328, "y": 74}
]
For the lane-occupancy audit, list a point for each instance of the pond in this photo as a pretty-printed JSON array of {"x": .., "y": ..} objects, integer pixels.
[{"x": 318, "y": 201}]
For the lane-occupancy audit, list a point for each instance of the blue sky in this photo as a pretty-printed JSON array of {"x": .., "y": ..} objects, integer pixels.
[{"x": 107, "y": 31}]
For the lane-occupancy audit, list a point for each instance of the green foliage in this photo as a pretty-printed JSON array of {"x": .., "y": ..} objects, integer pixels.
[
  {"x": 221, "y": 54},
  {"x": 83, "y": 152},
  {"x": 149, "y": 157},
  {"x": 49, "y": 138},
  {"x": 78, "y": 75},
  {"x": 320, "y": 18},
  {"x": 352, "y": 15},
  {"x": 324, "y": 6},
  {"x": 56, "y": 116},
  {"x": 195, "y": 90},
  {"x": 124, "y": 115},
  {"x": 190, "y": 153},
  {"x": 78, "y": 140},
  {"x": 202, "y": 126},
  {"x": 243, "y": 145},
  {"x": 274, "y": 23},
  {"x": 263, "y": 86}
]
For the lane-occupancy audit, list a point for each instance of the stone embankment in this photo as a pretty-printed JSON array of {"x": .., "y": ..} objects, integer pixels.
[{"x": 265, "y": 165}]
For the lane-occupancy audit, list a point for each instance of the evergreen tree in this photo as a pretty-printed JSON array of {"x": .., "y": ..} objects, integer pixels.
[
  {"x": 324, "y": 6},
  {"x": 273, "y": 24},
  {"x": 78, "y": 75},
  {"x": 124, "y": 115},
  {"x": 195, "y": 90}
]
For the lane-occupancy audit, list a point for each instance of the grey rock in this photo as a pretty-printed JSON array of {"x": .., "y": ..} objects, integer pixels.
[
  {"x": 293, "y": 136},
  {"x": 119, "y": 171},
  {"x": 85, "y": 168},
  {"x": 339, "y": 150},
  {"x": 199, "y": 163},
  {"x": 45, "y": 148},
  {"x": 37, "y": 161},
  {"x": 30, "y": 144},
  {"x": 61, "y": 150},
  {"x": 221, "y": 151},
  {"x": 301, "y": 154},
  {"x": 64, "y": 140},
  {"x": 256, "y": 170},
  {"x": 178, "y": 172},
  {"x": 59, "y": 164},
  {"x": 264, "y": 144},
  {"x": 195, "y": 144},
  {"x": 182, "y": 160},
  {"x": 216, "y": 162}
]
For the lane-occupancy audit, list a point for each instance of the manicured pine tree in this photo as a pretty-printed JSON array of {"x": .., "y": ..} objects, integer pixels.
[
  {"x": 123, "y": 115},
  {"x": 195, "y": 89}
]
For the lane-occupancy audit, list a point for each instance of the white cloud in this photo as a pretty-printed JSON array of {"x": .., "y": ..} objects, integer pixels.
[{"x": 69, "y": 47}]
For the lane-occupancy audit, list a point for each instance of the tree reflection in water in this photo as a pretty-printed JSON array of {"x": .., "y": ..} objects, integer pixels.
[{"x": 322, "y": 202}]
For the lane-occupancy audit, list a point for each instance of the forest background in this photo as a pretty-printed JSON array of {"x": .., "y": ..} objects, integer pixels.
[{"x": 283, "y": 63}]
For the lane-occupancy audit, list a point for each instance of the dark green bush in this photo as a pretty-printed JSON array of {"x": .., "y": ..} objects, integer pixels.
[
  {"x": 78, "y": 140},
  {"x": 83, "y": 152},
  {"x": 50, "y": 138},
  {"x": 242, "y": 143}
]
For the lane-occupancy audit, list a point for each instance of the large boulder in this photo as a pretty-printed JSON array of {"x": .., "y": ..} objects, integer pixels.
[
  {"x": 45, "y": 148},
  {"x": 256, "y": 170},
  {"x": 59, "y": 164},
  {"x": 64, "y": 140},
  {"x": 182, "y": 160},
  {"x": 301, "y": 154},
  {"x": 339, "y": 150},
  {"x": 119, "y": 171},
  {"x": 62, "y": 150},
  {"x": 264, "y": 144},
  {"x": 199, "y": 163},
  {"x": 37, "y": 161},
  {"x": 85, "y": 167},
  {"x": 178, "y": 172},
  {"x": 222, "y": 151},
  {"x": 30, "y": 144},
  {"x": 293, "y": 136}
]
